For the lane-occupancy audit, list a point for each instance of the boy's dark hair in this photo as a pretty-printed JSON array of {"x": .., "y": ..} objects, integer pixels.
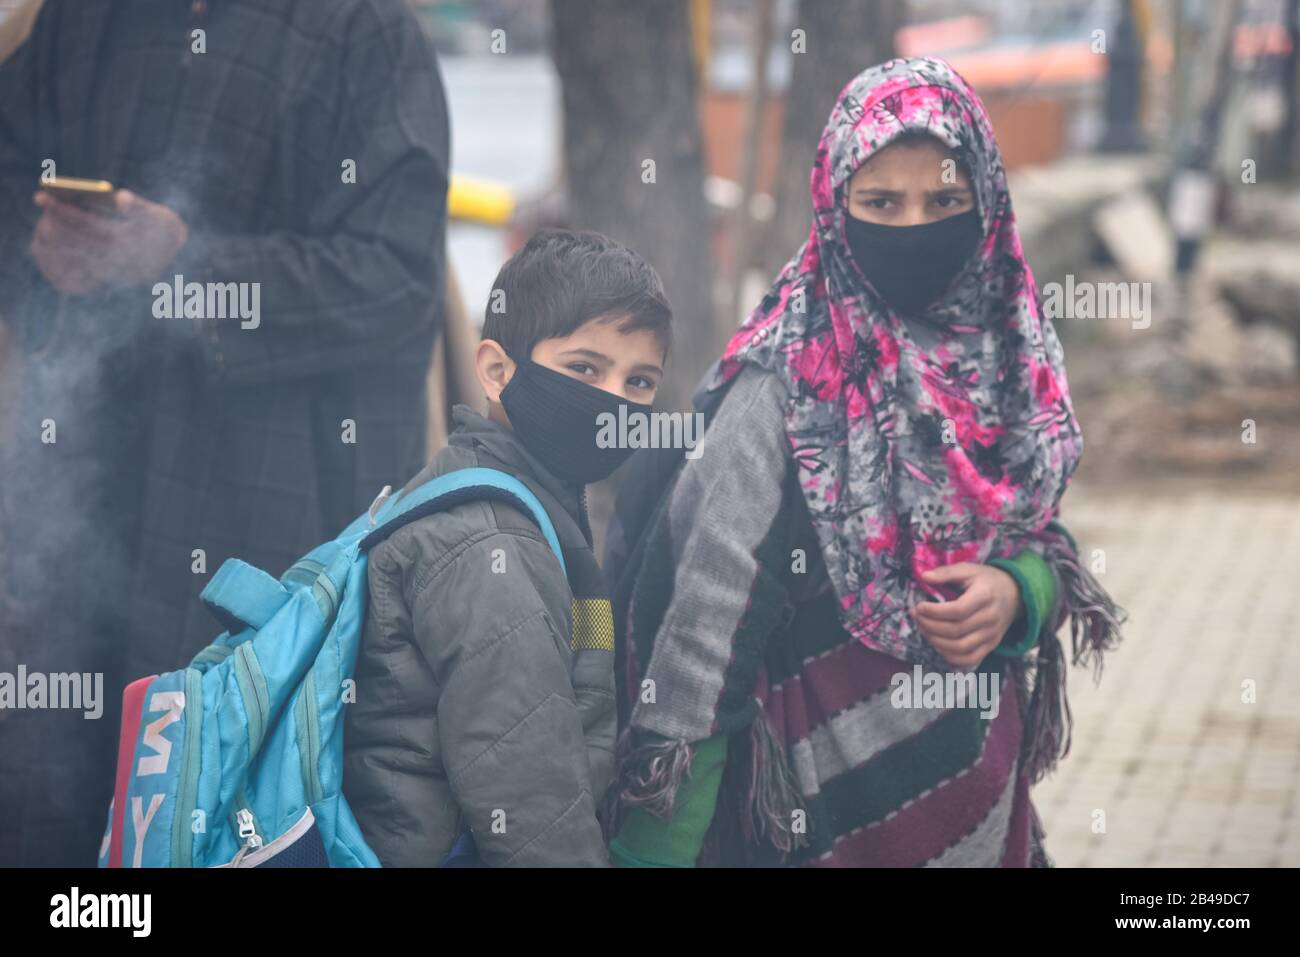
[{"x": 561, "y": 279}]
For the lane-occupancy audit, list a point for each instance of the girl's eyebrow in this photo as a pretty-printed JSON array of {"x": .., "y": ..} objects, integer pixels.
[{"x": 877, "y": 191}]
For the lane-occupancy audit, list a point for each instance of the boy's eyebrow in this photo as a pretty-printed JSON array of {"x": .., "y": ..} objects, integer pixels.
[
  {"x": 592, "y": 354},
  {"x": 648, "y": 367}
]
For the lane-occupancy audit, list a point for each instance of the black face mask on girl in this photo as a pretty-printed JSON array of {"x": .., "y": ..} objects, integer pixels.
[
  {"x": 557, "y": 419},
  {"x": 912, "y": 266}
]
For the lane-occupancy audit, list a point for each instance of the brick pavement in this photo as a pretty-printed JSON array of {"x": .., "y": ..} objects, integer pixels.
[{"x": 1169, "y": 766}]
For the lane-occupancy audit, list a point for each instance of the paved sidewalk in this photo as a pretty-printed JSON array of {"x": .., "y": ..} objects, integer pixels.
[{"x": 1169, "y": 765}]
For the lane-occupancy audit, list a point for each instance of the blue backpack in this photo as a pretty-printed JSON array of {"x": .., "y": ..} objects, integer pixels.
[{"x": 237, "y": 760}]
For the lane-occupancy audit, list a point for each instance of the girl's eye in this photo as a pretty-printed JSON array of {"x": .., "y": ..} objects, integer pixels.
[
  {"x": 878, "y": 203},
  {"x": 948, "y": 202}
]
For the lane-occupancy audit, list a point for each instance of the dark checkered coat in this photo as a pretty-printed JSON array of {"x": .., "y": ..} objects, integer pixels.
[{"x": 181, "y": 442}]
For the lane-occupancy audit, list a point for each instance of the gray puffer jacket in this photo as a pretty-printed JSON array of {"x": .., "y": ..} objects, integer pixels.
[{"x": 478, "y": 703}]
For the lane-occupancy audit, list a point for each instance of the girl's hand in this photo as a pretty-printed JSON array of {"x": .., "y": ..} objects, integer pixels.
[{"x": 967, "y": 628}]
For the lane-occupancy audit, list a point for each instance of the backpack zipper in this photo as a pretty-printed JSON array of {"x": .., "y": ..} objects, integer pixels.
[
  {"x": 248, "y": 836},
  {"x": 249, "y": 857}
]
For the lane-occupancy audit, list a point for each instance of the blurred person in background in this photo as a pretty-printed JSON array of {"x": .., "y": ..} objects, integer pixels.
[{"x": 298, "y": 149}]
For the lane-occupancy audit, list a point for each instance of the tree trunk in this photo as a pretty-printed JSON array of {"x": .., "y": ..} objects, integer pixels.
[
  {"x": 842, "y": 37},
  {"x": 629, "y": 88}
]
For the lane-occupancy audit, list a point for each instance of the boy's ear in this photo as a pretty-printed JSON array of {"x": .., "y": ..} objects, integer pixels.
[{"x": 493, "y": 367}]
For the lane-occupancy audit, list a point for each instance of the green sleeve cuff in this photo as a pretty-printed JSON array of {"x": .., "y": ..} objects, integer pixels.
[
  {"x": 620, "y": 857},
  {"x": 649, "y": 841},
  {"x": 1038, "y": 596}
]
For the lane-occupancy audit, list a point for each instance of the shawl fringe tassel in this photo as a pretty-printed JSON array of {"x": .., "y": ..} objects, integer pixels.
[
  {"x": 650, "y": 775},
  {"x": 1095, "y": 622}
]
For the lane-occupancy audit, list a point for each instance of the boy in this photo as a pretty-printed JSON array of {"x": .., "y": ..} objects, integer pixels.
[{"x": 485, "y": 680}]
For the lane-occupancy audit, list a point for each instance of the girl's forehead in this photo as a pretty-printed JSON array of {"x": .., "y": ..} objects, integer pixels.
[
  {"x": 908, "y": 159},
  {"x": 923, "y": 154},
  {"x": 872, "y": 136}
]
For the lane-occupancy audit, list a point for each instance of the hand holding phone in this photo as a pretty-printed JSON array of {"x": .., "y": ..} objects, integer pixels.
[{"x": 91, "y": 236}]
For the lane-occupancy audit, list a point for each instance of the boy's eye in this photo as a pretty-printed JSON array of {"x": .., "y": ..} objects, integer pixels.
[
  {"x": 641, "y": 382},
  {"x": 583, "y": 368}
]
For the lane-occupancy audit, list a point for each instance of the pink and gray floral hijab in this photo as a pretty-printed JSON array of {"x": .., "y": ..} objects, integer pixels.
[{"x": 912, "y": 458}]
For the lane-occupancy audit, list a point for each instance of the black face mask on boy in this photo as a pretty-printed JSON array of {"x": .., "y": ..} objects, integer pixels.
[
  {"x": 912, "y": 266},
  {"x": 556, "y": 417}
]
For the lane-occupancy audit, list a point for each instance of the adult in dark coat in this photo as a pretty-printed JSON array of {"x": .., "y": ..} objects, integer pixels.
[{"x": 296, "y": 148}]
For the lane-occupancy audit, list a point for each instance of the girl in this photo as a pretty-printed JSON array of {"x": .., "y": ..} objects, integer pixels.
[{"x": 839, "y": 624}]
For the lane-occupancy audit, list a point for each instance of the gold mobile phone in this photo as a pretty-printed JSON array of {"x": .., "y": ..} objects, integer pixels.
[{"x": 95, "y": 195}]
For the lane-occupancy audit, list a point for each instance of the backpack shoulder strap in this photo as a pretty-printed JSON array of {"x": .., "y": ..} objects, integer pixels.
[{"x": 456, "y": 488}]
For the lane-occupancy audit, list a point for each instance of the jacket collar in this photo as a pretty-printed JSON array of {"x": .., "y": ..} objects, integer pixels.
[{"x": 501, "y": 443}]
